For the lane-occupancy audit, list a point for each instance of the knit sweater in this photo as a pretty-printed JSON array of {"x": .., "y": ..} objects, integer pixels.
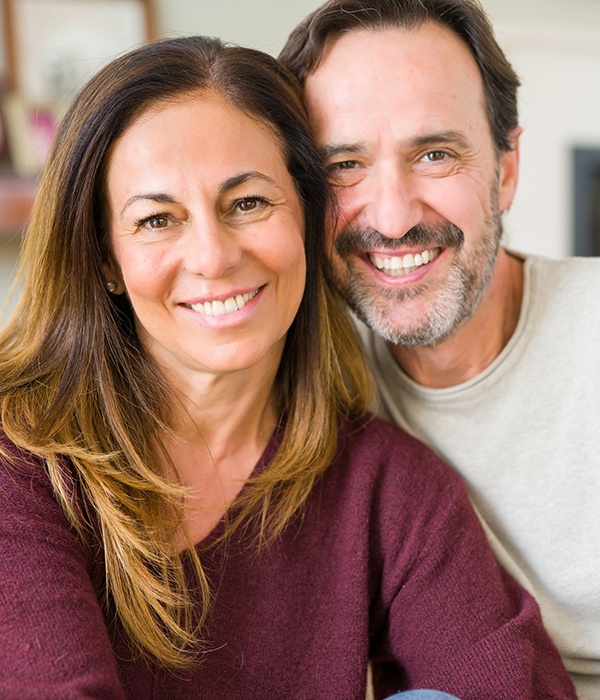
[
  {"x": 524, "y": 435},
  {"x": 387, "y": 562}
]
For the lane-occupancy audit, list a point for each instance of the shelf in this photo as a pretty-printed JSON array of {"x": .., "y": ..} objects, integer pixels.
[{"x": 16, "y": 199}]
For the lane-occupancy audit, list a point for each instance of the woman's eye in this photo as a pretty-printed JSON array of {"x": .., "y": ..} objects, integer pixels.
[
  {"x": 156, "y": 221},
  {"x": 249, "y": 204}
]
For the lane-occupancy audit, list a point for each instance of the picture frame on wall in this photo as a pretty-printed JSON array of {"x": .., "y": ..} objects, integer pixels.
[
  {"x": 30, "y": 130},
  {"x": 52, "y": 48}
]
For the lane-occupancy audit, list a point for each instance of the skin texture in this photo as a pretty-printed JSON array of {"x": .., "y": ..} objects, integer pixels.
[{"x": 400, "y": 118}]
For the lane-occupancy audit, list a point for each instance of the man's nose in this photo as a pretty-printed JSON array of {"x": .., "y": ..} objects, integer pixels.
[{"x": 392, "y": 202}]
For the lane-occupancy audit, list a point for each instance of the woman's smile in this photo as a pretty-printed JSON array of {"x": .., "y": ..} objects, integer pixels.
[{"x": 223, "y": 307}]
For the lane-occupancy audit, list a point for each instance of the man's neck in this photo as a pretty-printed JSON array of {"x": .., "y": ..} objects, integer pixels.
[{"x": 478, "y": 341}]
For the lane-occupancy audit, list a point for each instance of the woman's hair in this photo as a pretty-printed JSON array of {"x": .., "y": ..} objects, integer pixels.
[
  {"x": 466, "y": 19},
  {"x": 77, "y": 388}
]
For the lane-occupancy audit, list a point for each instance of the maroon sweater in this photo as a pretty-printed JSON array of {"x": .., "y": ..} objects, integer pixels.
[{"x": 387, "y": 563}]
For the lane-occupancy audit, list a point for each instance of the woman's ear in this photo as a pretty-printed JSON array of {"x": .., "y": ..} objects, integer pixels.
[{"x": 112, "y": 276}]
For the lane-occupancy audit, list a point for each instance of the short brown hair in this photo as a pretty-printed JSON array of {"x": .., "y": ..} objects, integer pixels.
[{"x": 465, "y": 18}]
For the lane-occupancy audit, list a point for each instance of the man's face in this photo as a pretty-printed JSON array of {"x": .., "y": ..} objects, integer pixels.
[{"x": 401, "y": 120}]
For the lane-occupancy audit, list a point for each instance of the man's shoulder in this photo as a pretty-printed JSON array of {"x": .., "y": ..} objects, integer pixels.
[
  {"x": 566, "y": 288},
  {"x": 575, "y": 270}
]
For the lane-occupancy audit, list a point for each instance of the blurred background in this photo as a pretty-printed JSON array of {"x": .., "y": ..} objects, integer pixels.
[{"x": 49, "y": 47}]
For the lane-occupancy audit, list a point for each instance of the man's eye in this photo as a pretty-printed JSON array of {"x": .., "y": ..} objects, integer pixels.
[
  {"x": 435, "y": 156},
  {"x": 345, "y": 165},
  {"x": 345, "y": 173}
]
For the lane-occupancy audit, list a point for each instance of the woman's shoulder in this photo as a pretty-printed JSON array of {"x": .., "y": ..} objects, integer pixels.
[
  {"x": 384, "y": 446},
  {"x": 26, "y": 491},
  {"x": 393, "y": 467},
  {"x": 17, "y": 464}
]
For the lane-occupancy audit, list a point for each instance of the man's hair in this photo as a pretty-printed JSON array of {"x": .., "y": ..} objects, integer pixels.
[{"x": 465, "y": 18}]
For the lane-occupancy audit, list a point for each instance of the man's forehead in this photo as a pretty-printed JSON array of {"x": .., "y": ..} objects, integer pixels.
[
  {"x": 422, "y": 73},
  {"x": 360, "y": 48}
]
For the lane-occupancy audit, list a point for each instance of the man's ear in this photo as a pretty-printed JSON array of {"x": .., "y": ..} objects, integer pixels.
[{"x": 509, "y": 170}]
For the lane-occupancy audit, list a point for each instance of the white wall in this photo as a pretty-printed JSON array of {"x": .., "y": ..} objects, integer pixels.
[
  {"x": 554, "y": 46},
  {"x": 262, "y": 24},
  {"x": 560, "y": 110}
]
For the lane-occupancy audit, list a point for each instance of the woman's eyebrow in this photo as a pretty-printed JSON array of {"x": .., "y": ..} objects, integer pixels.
[
  {"x": 152, "y": 196},
  {"x": 236, "y": 180},
  {"x": 227, "y": 185}
]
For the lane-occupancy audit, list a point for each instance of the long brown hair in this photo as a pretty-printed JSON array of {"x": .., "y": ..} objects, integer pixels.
[{"x": 77, "y": 389}]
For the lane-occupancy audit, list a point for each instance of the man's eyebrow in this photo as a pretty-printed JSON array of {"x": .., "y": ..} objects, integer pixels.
[
  {"x": 438, "y": 138},
  {"x": 336, "y": 149},
  {"x": 160, "y": 197},
  {"x": 240, "y": 179}
]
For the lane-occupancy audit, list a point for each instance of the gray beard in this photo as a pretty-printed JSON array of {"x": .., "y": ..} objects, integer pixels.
[{"x": 454, "y": 304}]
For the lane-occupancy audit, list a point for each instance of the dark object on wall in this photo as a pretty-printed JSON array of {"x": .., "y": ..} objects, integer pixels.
[{"x": 586, "y": 201}]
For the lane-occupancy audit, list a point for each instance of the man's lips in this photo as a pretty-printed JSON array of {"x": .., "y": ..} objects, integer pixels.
[{"x": 402, "y": 264}]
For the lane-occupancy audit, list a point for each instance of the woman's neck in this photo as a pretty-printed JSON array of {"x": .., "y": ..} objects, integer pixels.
[{"x": 221, "y": 425}]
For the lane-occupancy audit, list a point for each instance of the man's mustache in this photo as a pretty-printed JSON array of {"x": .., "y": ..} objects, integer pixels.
[{"x": 352, "y": 239}]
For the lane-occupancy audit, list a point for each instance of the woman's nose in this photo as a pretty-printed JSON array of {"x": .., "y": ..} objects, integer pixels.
[{"x": 211, "y": 248}]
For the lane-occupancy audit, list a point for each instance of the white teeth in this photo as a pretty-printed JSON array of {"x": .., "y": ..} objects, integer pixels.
[
  {"x": 398, "y": 265},
  {"x": 220, "y": 308},
  {"x": 231, "y": 305}
]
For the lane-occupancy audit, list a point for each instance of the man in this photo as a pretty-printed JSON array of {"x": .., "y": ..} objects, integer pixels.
[{"x": 488, "y": 357}]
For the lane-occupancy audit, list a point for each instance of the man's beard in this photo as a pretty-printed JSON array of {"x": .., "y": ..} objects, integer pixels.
[{"x": 454, "y": 302}]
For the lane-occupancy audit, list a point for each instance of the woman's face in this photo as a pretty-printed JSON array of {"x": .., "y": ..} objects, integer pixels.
[{"x": 207, "y": 236}]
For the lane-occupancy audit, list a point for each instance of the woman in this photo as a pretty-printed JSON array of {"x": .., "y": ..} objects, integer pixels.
[{"x": 195, "y": 502}]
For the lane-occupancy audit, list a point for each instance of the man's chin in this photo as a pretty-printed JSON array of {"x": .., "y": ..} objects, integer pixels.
[{"x": 415, "y": 327}]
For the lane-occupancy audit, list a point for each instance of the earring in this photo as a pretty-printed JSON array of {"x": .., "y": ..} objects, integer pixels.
[{"x": 112, "y": 287}]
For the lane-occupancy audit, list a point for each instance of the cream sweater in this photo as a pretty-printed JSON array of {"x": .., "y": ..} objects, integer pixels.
[{"x": 525, "y": 434}]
